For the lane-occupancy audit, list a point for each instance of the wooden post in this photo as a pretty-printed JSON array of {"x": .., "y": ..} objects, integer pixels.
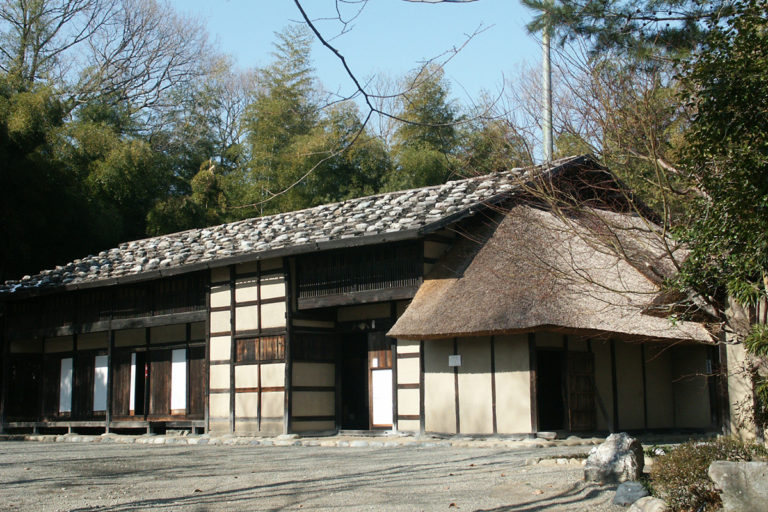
[
  {"x": 147, "y": 374},
  {"x": 456, "y": 387},
  {"x": 725, "y": 406},
  {"x": 41, "y": 392},
  {"x": 288, "y": 394},
  {"x": 393, "y": 348},
  {"x": 645, "y": 386},
  {"x": 614, "y": 388},
  {"x": 258, "y": 345},
  {"x": 712, "y": 384},
  {"x": 188, "y": 336},
  {"x": 338, "y": 359},
  {"x": 5, "y": 348},
  {"x": 233, "y": 346},
  {"x": 421, "y": 387},
  {"x": 207, "y": 362},
  {"x": 493, "y": 383},
  {"x": 110, "y": 380},
  {"x": 532, "y": 383},
  {"x": 75, "y": 398}
]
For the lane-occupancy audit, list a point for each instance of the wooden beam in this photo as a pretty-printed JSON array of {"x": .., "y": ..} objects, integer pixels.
[
  {"x": 115, "y": 324},
  {"x": 363, "y": 297}
]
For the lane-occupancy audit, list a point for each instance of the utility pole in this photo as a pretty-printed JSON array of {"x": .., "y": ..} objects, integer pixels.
[{"x": 546, "y": 124}]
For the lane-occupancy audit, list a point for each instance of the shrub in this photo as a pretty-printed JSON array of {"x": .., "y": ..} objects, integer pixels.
[{"x": 680, "y": 477}]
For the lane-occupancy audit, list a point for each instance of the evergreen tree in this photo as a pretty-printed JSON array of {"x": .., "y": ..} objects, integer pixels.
[{"x": 427, "y": 138}]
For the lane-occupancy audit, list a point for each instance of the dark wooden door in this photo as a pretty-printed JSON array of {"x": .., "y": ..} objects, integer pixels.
[
  {"x": 23, "y": 397},
  {"x": 121, "y": 382},
  {"x": 82, "y": 392},
  {"x": 160, "y": 383},
  {"x": 581, "y": 392},
  {"x": 196, "y": 381},
  {"x": 51, "y": 391}
]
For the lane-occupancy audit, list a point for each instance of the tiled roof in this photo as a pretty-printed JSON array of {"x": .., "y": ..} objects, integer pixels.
[{"x": 372, "y": 219}]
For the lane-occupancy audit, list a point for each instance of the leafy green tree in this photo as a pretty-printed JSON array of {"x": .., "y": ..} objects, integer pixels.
[
  {"x": 492, "y": 146},
  {"x": 645, "y": 29},
  {"x": 283, "y": 110},
  {"x": 43, "y": 208},
  {"x": 427, "y": 137},
  {"x": 205, "y": 205},
  {"x": 727, "y": 154},
  {"x": 347, "y": 161}
]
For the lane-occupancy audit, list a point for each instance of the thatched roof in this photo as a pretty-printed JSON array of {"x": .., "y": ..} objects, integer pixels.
[{"x": 536, "y": 269}]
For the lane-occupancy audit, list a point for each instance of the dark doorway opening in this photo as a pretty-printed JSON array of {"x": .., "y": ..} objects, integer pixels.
[
  {"x": 549, "y": 389},
  {"x": 354, "y": 382},
  {"x": 140, "y": 384}
]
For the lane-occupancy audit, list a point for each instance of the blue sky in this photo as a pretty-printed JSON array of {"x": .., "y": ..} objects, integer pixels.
[{"x": 390, "y": 37}]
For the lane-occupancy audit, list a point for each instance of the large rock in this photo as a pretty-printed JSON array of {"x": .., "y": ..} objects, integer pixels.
[
  {"x": 743, "y": 485},
  {"x": 618, "y": 459},
  {"x": 628, "y": 493},
  {"x": 649, "y": 504}
]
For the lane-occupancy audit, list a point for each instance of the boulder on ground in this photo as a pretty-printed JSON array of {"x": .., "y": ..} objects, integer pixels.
[
  {"x": 618, "y": 459},
  {"x": 649, "y": 504},
  {"x": 628, "y": 493},
  {"x": 743, "y": 485}
]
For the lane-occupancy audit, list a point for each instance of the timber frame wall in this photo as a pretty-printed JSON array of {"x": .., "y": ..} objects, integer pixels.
[
  {"x": 638, "y": 386},
  {"x": 92, "y": 334},
  {"x": 249, "y": 348}
]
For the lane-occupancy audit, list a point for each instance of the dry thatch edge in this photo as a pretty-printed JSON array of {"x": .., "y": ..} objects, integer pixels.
[{"x": 533, "y": 271}]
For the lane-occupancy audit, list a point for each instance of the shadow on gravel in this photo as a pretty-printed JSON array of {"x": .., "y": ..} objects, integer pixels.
[
  {"x": 575, "y": 494},
  {"x": 291, "y": 492}
]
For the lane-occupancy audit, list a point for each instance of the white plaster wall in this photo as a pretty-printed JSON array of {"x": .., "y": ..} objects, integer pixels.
[{"x": 513, "y": 384}]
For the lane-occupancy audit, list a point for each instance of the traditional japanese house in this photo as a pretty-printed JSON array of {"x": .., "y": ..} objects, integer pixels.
[{"x": 475, "y": 307}]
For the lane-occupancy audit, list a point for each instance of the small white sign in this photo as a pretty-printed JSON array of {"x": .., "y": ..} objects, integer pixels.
[
  {"x": 375, "y": 362},
  {"x": 454, "y": 360}
]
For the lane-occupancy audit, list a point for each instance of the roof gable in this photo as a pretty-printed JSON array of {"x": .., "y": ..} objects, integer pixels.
[{"x": 535, "y": 269}]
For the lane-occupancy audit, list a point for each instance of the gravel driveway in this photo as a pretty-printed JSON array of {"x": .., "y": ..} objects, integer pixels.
[{"x": 76, "y": 476}]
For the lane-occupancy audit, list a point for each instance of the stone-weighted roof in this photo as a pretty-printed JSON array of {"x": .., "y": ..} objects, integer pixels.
[{"x": 373, "y": 219}]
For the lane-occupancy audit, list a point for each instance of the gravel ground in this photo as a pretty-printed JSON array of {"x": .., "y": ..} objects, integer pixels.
[{"x": 81, "y": 476}]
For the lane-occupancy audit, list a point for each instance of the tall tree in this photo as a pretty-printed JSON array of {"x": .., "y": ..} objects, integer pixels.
[
  {"x": 283, "y": 110},
  {"x": 427, "y": 137},
  {"x": 646, "y": 29}
]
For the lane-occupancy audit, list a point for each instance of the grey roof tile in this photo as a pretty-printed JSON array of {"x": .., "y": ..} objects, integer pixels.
[{"x": 385, "y": 213}]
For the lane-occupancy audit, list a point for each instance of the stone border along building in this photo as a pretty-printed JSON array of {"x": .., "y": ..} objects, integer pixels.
[{"x": 470, "y": 307}]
